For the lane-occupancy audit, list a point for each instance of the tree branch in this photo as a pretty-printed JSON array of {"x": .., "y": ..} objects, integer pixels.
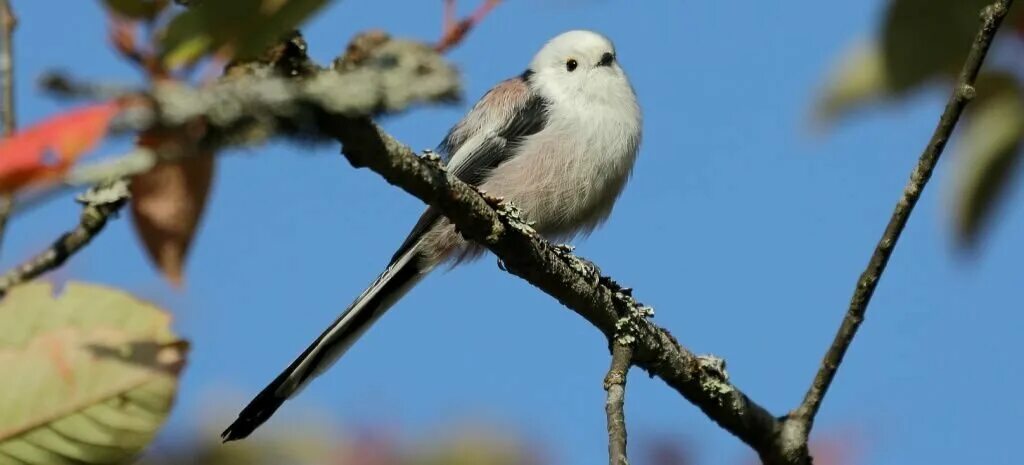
[
  {"x": 251, "y": 104},
  {"x": 963, "y": 91},
  {"x": 100, "y": 203},
  {"x": 571, "y": 280},
  {"x": 8, "y": 21},
  {"x": 254, "y": 103},
  {"x": 615, "y": 385}
]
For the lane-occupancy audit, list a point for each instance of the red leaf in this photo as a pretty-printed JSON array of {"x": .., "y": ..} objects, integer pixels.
[
  {"x": 455, "y": 30},
  {"x": 46, "y": 150},
  {"x": 167, "y": 204}
]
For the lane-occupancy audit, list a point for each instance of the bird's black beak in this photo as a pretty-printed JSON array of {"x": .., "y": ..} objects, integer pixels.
[{"x": 606, "y": 60}]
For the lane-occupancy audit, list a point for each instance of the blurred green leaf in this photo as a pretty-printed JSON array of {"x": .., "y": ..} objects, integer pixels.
[
  {"x": 988, "y": 152},
  {"x": 472, "y": 448},
  {"x": 246, "y": 27},
  {"x": 919, "y": 41},
  {"x": 88, "y": 376},
  {"x": 137, "y": 9},
  {"x": 859, "y": 78},
  {"x": 923, "y": 39}
]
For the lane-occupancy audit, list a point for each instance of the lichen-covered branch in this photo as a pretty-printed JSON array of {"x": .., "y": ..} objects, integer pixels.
[
  {"x": 615, "y": 403},
  {"x": 571, "y": 280},
  {"x": 255, "y": 102},
  {"x": 250, "y": 108},
  {"x": 963, "y": 91},
  {"x": 99, "y": 204},
  {"x": 251, "y": 104}
]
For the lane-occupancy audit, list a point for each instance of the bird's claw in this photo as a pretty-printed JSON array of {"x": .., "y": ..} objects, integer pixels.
[
  {"x": 492, "y": 200},
  {"x": 591, "y": 268},
  {"x": 580, "y": 264},
  {"x": 564, "y": 249}
]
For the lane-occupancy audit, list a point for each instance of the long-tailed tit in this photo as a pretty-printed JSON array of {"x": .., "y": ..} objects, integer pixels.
[{"x": 558, "y": 141}]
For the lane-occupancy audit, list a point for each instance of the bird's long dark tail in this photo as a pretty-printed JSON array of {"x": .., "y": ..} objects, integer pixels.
[{"x": 403, "y": 273}]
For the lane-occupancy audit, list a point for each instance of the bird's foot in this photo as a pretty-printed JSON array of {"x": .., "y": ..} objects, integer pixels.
[{"x": 492, "y": 200}]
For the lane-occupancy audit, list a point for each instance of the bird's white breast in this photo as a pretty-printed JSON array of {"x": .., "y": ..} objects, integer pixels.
[{"x": 566, "y": 177}]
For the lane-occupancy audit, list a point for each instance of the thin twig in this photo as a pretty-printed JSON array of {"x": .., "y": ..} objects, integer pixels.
[
  {"x": 100, "y": 203},
  {"x": 61, "y": 85},
  {"x": 615, "y": 385},
  {"x": 455, "y": 31},
  {"x": 138, "y": 161},
  {"x": 991, "y": 17},
  {"x": 8, "y": 21}
]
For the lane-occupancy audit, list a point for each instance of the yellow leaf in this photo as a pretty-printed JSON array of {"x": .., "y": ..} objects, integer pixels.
[
  {"x": 188, "y": 51},
  {"x": 245, "y": 27},
  {"x": 859, "y": 79},
  {"x": 88, "y": 376}
]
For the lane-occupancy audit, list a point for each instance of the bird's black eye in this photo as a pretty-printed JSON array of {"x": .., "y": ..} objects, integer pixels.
[
  {"x": 571, "y": 65},
  {"x": 606, "y": 59}
]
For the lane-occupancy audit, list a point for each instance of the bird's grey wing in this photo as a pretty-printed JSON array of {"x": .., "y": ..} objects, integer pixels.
[
  {"x": 492, "y": 129},
  {"x": 486, "y": 138}
]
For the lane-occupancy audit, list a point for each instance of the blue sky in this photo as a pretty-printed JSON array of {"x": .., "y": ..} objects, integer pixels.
[{"x": 743, "y": 229}]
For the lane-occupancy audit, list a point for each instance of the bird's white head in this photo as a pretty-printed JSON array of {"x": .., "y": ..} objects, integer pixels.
[{"x": 580, "y": 65}]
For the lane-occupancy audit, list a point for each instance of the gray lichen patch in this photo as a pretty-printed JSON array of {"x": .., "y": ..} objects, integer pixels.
[
  {"x": 715, "y": 381},
  {"x": 633, "y": 324},
  {"x": 513, "y": 217}
]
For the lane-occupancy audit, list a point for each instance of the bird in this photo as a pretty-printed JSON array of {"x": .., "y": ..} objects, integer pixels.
[{"x": 558, "y": 141}]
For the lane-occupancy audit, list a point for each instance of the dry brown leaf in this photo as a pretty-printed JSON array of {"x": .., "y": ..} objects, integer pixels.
[{"x": 167, "y": 205}]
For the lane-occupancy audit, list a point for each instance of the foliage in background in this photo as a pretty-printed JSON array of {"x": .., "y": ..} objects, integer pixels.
[
  {"x": 90, "y": 374},
  {"x": 168, "y": 200},
  {"x": 923, "y": 42},
  {"x": 316, "y": 444},
  {"x": 43, "y": 152}
]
